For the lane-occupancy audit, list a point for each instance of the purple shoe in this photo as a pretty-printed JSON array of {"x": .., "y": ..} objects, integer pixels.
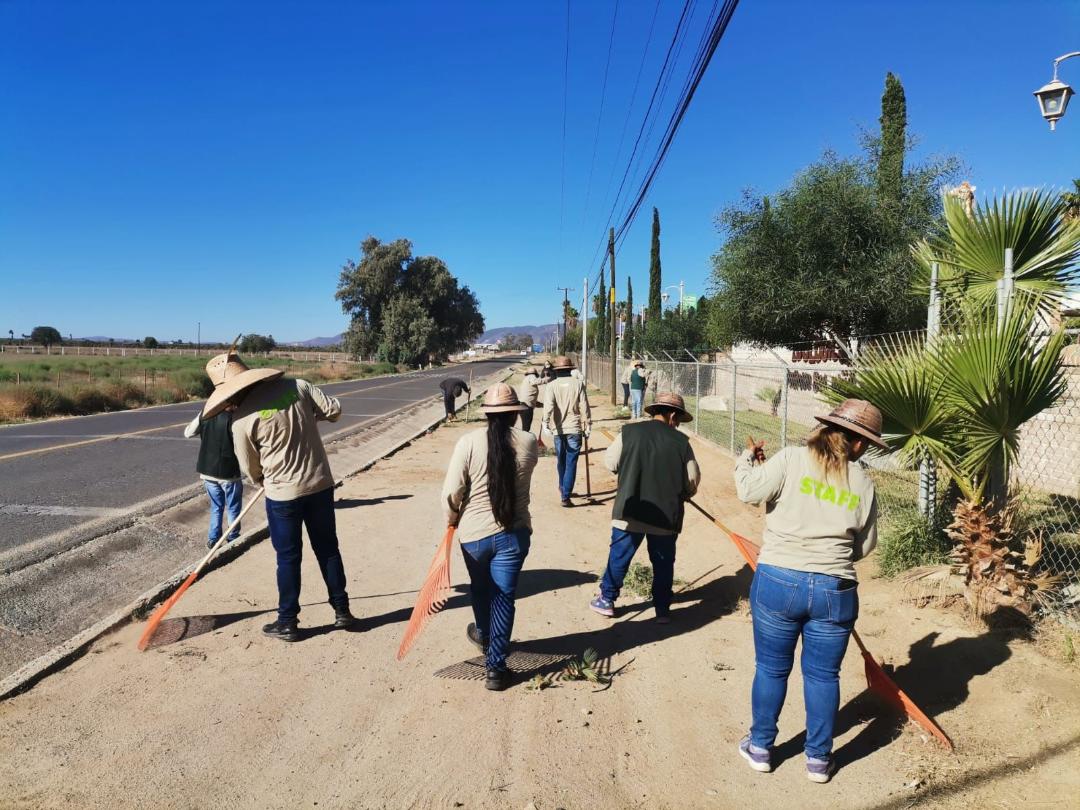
[
  {"x": 760, "y": 762},
  {"x": 820, "y": 770},
  {"x": 605, "y": 607}
]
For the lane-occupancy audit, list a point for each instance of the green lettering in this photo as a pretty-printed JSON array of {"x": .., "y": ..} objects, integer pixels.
[
  {"x": 854, "y": 502},
  {"x": 818, "y": 486},
  {"x": 807, "y": 485},
  {"x": 830, "y": 495},
  {"x": 844, "y": 495}
]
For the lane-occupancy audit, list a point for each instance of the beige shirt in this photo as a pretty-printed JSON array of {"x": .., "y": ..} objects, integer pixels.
[
  {"x": 810, "y": 524},
  {"x": 465, "y": 491},
  {"x": 612, "y": 457},
  {"x": 566, "y": 406},
  {"x": 277, "y": 440},
  {"x": 529, "y": 391}
]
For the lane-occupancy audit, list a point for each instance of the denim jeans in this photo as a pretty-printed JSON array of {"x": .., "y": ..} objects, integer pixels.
[
  {"x": 224, "y": 496},
  {"x": 567, "y": 448},
  {"x": 316, "y": 512},
  {"x": 637, "y": 401},
  {"x": 625, "y": 394},
  {"x": 822, "y": 609},
  {"x": 624, "y": 545},
  {"x": 494, "y": 563}
]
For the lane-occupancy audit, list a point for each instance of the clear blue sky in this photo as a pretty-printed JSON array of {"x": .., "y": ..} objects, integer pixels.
[{"x": 168, "y": 163}]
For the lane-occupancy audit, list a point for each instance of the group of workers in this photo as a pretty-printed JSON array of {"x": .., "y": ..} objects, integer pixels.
[{"x": 820, "y": 517}]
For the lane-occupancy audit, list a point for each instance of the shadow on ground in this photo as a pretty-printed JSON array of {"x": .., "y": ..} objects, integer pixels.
[{"x": 350, "y": 503}]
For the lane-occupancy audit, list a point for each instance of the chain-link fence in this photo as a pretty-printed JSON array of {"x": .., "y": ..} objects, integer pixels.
[{"x": 763, "y": 396}]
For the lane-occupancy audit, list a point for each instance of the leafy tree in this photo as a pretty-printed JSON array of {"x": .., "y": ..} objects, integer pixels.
[
  {"x": 150, "y": 342},
  {"x": 256, "y": 344},
  {"x": 1072, "y": 202},
  {"x": 407, "y": 330},
  {"x": 890, "y": 165},
  {"x": 655, "y": 283},
  {"x": 45, "y": 335},
  {"x": 598, "y": 330},
  {"x": 628, "y": 330},
  {"x": 677, "y": 331}
]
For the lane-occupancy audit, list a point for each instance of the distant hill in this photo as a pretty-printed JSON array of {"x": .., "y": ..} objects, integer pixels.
[
  {"x": 321, "y": 341},
  {"x": 540, "y": 333}
]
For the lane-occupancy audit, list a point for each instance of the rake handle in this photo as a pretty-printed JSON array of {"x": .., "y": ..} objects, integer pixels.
[{"x": 588, "y": 477}]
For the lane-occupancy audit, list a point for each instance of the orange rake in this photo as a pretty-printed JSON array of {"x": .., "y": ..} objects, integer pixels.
[
  {"x": 876, "y": 678},
  {"x": 433, "y": 594},
  {"x": 159, "y": 614}
]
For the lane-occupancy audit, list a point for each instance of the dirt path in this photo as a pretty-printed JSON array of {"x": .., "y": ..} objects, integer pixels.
[{"x": 228, "y": 718}]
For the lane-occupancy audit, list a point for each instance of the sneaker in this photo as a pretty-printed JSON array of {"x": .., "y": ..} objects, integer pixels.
[
  {"x": 663, "y": 618},
  {"x": 210, "y": 543},
  {"x": 760, "y": 762},
  {"x": 497, "y": 679},
  {"x": 286, "y": 631},
  {"x": 820, "y": 770},
  {"x": 566, "y": 502},
  {"x": 343, "y": 618},
  {"x": 473, "y": 635},
  {"x": 605, "y": 607}
]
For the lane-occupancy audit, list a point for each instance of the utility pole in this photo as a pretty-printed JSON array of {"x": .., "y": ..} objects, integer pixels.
[
  {"x": 611, "y": 310},
  {"x": 585, "y": 330},
  {"x": 198, "y": 337},
  {"x": 566, "y": 304},
  {"x": 681, "y": 296}
]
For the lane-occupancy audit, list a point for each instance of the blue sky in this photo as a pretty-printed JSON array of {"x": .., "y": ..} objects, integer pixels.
[{"x": 163, "y": 164}]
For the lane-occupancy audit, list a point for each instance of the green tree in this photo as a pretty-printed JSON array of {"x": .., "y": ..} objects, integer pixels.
[
  {"x": 150, "y": 342},
  {"x": 893, "y": 145},
  {"x": 1072, "y": 202},
  {"x": 407, "y": 330},
  {"x": 45, "y": 335},
  {"x": 598, "y": 330},
  {"x": 655, "y": 283},
  {"x": 256, "y": 344},
  {"x": 628, "y": 331}
]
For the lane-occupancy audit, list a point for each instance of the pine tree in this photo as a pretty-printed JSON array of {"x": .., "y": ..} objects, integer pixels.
[
  {"x": 890, "y": 168},
  {"x": 655, "y": 305},
  {"x": 628, "y": 330},
  {"x": 598, "y": 336}
]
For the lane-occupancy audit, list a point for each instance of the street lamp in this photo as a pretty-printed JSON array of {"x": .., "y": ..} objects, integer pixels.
[
  {"x": 665, "y": 296},
  {"x": 1054, "y": 97}
]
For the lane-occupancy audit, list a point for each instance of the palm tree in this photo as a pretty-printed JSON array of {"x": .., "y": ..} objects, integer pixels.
[{"x": 1071, "y": 199}]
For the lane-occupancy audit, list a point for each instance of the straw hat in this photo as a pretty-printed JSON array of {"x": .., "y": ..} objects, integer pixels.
[
  {"x": 501, "y": 398},
  {"x": 528, "y": 370},
  {"x": 230, "y": 376},
  {"x": 639, "y": 364},
  {"x": 859, "y": 417},
  {"x": 563, "y": 362},
  {"x": 673, "y": 401}
]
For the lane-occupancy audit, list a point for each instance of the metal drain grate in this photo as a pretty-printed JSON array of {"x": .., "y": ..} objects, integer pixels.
[{"x": 520, "y": 663}]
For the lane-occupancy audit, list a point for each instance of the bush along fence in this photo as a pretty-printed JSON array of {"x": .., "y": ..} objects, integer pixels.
[{"x": 767, "y": 397}]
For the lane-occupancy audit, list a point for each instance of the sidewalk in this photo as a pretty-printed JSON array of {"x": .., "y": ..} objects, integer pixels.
[{"x": 226, "y": 717}]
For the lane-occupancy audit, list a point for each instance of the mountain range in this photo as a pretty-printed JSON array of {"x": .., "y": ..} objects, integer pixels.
[{"x": 540, "y": 334}]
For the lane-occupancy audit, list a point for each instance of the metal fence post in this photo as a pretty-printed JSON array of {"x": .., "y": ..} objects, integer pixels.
[
  {"x": 697, "y": 398},
  {"x": 784, "y": 413},
  {"x": 734, "y": 379}
]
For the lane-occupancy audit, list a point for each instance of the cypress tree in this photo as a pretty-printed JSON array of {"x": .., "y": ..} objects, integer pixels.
[
  {"x": 655, "y": 305},
  {"x": 890, "y": 168},
  {"x": 598, "y": 336},
  {"x": 628, "y": 330}
]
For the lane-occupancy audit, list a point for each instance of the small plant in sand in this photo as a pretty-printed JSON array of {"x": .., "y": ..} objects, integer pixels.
[
  {"x": 539, "y": 682},
  {"x": 584, "y": 669}
]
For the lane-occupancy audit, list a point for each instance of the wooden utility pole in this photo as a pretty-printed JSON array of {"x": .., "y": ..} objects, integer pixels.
[
  {"x": 566, "y": 304},
  {"x": 611, "y": 311}
]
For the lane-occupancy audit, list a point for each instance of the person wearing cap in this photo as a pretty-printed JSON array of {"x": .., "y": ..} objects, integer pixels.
[
  {"x": 276, "y": 438},
  {"x": 821, "y": 517},
  {"x": 219, "y": 471},
  {"x": 625, "y": 382},
  {"x": 452, "y": 388},
  {"x": 486, "y": 496},
  {"x": 657, "y": 474},
  {"x": 529, "y": 395},
  {"x": 638, "y": 382},
  {"x": 568, "y": 418}
]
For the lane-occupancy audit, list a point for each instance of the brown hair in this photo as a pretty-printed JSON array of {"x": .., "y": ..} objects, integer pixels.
[{"x": 830, "y": 447}]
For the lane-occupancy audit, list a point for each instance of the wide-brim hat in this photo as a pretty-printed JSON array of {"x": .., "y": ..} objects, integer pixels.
[
  {"x": 562, "y": 362},
  {"x": 501, "y": 398},
  {"x": 230, "y": 375},
  {"x": 640, "y": 363},
  {"x": 670, "y": 402},
  {"x": 859, "y": 417},
  {"x": 529, "y": 370}
]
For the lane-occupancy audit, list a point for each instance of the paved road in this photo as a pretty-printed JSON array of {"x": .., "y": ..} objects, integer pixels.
[{"x": 59, "y": 474}]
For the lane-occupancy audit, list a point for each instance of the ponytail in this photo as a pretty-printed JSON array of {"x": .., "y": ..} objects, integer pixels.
[
  {"x": 501, "y": 468},
  {"x": 830, "y": 447}
]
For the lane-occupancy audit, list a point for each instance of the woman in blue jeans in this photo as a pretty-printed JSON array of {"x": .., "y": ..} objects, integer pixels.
[
  {"x": 821, "y": 516},
  {"x": 486, "y": 496}
]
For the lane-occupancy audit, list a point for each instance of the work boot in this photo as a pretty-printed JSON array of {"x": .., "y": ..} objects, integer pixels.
[
  {"x": 284, "y": 630},
  {"x": 566, "y": 502},
  {"x": 474, "y": 636},
  {"x": 497, "y": 679},
  {"x": 343, "y": 618}
]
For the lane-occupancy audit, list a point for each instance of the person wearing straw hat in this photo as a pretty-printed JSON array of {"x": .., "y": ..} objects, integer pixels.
[
  {"x": 657, "y": 474},
  {"x": 568, "y": 418},
  {"x": 639, "y": 380},
  {"x": 821, "y": 517},
  {"x": 277, "y": 443},
  {"x": 486, "y": 496},
  {"x": 529, "y": 395}
]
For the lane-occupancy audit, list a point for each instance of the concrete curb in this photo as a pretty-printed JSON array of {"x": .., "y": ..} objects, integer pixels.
[{"x": 60, "y": 656}]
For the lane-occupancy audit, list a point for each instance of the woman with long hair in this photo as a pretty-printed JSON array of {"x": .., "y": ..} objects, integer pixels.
[
  {"x": 821, "y": 516},
  {"x": 486, "y": 496}
]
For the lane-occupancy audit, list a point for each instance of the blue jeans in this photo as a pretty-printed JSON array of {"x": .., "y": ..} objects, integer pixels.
[
  {"x": 624, "y": 545},
  {"x": 316, "y": 512},
  {"x": 637, "y": 400},
  {"x": 567, "y": 448},
  {"x": 820, "y": 608},
  {"x": 224, "y": 495},
  {"x": 494, "y": 563}
]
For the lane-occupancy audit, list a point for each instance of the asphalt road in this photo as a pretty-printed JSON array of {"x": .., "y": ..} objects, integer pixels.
[{"x": 59, "y": 474}]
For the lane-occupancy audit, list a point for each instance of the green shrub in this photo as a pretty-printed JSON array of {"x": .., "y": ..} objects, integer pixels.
[
  {"x": 193, "y": 383},
  {"x": 908, "y": 540},
  {"x": 167, "y": 396},
  {"x": 126, "y": 395},
  {"x": 38, "y": 401},
  {"x": 91, "y": 400}
]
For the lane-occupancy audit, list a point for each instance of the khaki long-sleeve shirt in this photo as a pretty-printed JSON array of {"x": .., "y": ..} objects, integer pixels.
[
  {"x": 566, "y": 407},
  {"x": 811, "y": 524},
  {"x": 277, "y": 441},
  {"x": 612, "y": 457},
  {"x": 465, "y": 500},
  {"x": 529, "y": 391}
]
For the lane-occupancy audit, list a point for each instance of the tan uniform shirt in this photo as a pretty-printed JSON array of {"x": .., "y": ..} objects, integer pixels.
[
  {"x": 277, "y": 441},
  {"x": 465, "y": 489},
  {"x": 566, "y": 406},
  {"x": 529, "y": 391},
  {"x": 810, "y": 524},
  {"x": 611, "y": 460}
]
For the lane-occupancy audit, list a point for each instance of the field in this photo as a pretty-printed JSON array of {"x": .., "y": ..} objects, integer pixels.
[{"x": 35, "y": 387}]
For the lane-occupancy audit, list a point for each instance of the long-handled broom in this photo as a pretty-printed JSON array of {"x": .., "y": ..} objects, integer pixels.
[
  {"x": 876, "y": 678},
  {"x": 433, "y": 593},
  {"x": 159, "y": 614}
]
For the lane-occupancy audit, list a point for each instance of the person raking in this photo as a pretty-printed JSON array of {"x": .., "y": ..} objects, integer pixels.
[
  {"x": 568, "y": 418},
  {"x": 452, "y": 388},
  {"x": 219, "y": 470},
  {"x": 821, "y": 517}
]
